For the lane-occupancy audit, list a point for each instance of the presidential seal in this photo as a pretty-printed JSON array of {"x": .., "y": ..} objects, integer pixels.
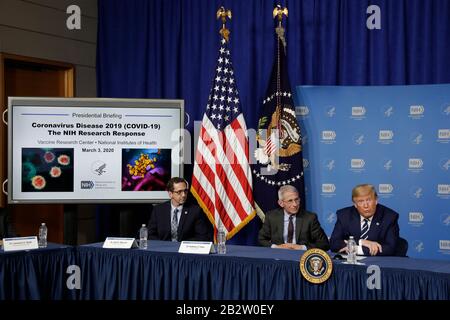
[{"x": 316, "y": 266}]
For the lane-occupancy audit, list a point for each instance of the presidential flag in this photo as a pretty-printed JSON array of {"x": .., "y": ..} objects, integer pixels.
[
  {"x": 222, "y": 179},
  {"x": 279, "y": 152}
]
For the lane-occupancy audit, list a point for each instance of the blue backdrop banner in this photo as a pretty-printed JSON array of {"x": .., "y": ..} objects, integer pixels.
[{"x": 394, "y": 137}]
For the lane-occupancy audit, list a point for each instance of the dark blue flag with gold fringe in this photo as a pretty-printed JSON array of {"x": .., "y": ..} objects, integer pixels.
[{"x": 279, "y": 152}]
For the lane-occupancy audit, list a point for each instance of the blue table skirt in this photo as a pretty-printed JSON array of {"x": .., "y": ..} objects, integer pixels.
[
  {"x": 36, "y": 274},
  {"x": 244, "y": 273},
  {"x": 247, "y": 273}
]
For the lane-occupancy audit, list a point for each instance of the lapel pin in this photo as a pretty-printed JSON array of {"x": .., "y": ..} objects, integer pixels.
[{"x": 378, "y": 223}]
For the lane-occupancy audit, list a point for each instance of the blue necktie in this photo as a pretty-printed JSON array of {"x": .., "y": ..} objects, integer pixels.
[
  {"x": 365, "y": 229},
  {"x": 174, "y": 225}
]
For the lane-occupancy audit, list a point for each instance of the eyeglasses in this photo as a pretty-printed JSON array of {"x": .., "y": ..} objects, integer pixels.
[
  {"x": 292, "y": 201},
  {"x": 179, "y": 192}
]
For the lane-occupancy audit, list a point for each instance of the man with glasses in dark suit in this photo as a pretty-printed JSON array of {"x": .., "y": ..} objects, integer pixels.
[
  {"x": 175, "y": 220},
  {"x": 291, "y": 227}
]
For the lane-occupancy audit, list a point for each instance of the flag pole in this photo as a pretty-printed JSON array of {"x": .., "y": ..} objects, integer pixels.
[
  {"x": 279, "y": 159},
  {"x": 222, "y": 178}
]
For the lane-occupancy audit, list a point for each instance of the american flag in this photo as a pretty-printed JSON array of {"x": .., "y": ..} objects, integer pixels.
[{"x": 222, "y": 179}]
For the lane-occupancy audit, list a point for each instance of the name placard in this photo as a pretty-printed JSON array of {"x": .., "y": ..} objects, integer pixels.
[
  {"x": 119, "y": 243},
  {"x": 196, "y": 247},
  {"x": 20, "y": 243}
]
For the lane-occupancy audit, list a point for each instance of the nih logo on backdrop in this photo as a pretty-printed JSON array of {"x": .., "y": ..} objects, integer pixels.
[
  {"x": 386, "y": 136},
  {"x": 444, "y": 246},
  {"x": 416, "y": 111},
  {"x": 415, "y": 165},
  {"x": 304, "y": 139},
  {"x": 443, "y": 191},
  {"x": 416, "y": 218},
  {"x": 416, "y": 192},
  {"x": 385, "y": 190},
  {"x": 302, "y": 111},
  {"x": 358, "y": 113},
  {"x": 328, "y": 136},
  {"x": 328, "y": 190},
  {"x": 443, "y": 135},
  {"x": 305, "y": 164},
  {"x": 357, "y": 165}
]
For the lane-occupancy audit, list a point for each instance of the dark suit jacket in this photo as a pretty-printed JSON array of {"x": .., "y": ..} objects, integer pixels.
[
  {"x": 307, "y": 230},
  {"x": 6, "y": 229},
  {"x": 192, "y": 225},
  {"x": 384, "y": 229}
]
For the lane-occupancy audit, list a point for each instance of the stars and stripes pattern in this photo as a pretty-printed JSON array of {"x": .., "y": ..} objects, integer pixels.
[
  {"x": 222, "y": 179},
  {"x": 272, "y": 143}
]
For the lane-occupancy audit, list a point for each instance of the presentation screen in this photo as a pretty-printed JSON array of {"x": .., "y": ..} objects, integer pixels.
[{"x": 93, "y": 150}]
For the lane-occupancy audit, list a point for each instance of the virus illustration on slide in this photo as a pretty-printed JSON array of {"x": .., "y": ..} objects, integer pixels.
[
  {"x": 64, "y": 160},
  {"x": 141, "y": 166},
  {"x": 49, "y": 157},
  {"x": 38, "y": 182},
  {"x": 55, "y": 172},
  {"x": 47, "y": 169}
]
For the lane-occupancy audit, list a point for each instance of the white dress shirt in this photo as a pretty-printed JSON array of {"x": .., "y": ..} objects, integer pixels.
[{"x": 359, "y": 247}]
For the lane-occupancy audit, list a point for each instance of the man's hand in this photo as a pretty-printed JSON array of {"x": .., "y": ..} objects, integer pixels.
[
  {"x": 344, "y": 249},
  {"x": 374, "y": 247}
]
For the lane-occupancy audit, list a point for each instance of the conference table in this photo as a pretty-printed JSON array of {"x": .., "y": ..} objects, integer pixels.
[{"x": 243, "y": 273}]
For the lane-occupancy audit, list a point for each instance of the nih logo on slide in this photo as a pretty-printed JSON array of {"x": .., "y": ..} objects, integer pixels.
[{"x": 87, "y": 184}]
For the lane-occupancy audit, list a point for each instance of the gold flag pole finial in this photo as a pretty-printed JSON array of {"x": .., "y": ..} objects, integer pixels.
[
  {"x": 278, "y": 12},
  {"x": 223, "y": 13}
]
